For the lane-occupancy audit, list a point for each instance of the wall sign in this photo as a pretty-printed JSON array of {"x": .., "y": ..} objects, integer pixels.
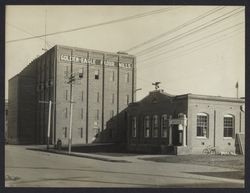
[{"x": 81, "y": 60}]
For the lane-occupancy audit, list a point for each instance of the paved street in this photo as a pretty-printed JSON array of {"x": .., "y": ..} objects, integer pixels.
[{"x": 27, "y": 168}]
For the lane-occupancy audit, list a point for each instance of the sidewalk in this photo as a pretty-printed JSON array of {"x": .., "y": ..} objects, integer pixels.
[
  {"x": 96, "y": 156},
  {"x": 85, "y": 155}
]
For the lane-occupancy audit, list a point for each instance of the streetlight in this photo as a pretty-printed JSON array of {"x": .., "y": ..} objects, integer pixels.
[{"x": 138, "y": 89}]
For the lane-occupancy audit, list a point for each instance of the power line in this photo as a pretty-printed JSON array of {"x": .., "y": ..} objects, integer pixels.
[
  {"x": 197, "y": 72},
  {"x": 183, "y": 35},
  {"x": 176, "y": 29},
  {"x": 99, "y": 24},
  {"x": 197, "y": 40},
  {"x": 26, "y": 32},
  {"x": 193, "y": 49},
  {"x": 215, "y": 41}
]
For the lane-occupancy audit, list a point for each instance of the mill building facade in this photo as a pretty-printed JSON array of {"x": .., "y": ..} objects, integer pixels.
[
  {"x": 103, "y": 86},
  {"x": 162, "y": 123}
]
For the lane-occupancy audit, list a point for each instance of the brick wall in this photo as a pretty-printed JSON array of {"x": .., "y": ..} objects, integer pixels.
[
  {"x": 45, "y": 92},
  {"x": 105, "y": 88},
  {"x": 13, "y": 110},
  {"x": 215, "y": 111},
  {"x": 22, "y": 107}
]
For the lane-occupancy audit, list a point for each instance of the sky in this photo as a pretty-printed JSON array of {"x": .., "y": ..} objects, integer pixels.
[{"x": 189, "y": 49}]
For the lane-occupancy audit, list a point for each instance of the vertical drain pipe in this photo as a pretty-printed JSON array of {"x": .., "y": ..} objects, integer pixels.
[{"x": 214, "y": 126}]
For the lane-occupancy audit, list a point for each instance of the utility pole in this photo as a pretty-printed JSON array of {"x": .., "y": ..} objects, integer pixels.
[
  {"x": 45, "y": 31},
  {"x": 49, "y": 118},
  {"x": 70, "y": 80},
  {"x": 71, "y": 112}
]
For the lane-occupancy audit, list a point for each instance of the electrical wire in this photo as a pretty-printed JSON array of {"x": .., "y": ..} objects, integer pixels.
[
  {"x": 26, "y": 32},
  {"x": 197, "y": 40},
  {"x": 183, "y": 35},
  {"x": 98, "y": 24},
  {"x": 177, "y": 28},
  {"x": 175, "y": 56}
]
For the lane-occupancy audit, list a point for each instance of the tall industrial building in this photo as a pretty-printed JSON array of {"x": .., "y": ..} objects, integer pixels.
[{"x": 104, "y": 85}]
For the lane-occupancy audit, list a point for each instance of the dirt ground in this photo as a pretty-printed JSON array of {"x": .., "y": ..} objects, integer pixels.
[{"x": 226, "y": 161}]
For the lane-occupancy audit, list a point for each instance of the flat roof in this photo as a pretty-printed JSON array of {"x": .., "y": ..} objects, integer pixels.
[
  {"x": 210, "y": 97},
  {"x": 92, "y": 50},
  {"x": 199, "y": 96}
]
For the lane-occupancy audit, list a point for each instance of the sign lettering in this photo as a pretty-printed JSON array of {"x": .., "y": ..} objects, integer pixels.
[{"x": 81, "y": 60}]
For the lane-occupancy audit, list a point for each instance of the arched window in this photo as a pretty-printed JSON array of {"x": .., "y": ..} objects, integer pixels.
[
  {"x": 164, "y": 125},
  {"x": 146, "y": 126},
  {"x": 134, "y": 126},
  {"x": 202, "y": 125},
  {"x": 228, "y": 125},
  {"x": 155, "y": 125}
]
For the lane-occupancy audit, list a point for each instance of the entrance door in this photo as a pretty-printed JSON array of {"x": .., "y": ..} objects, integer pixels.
[{"x": 177, "y": 135}]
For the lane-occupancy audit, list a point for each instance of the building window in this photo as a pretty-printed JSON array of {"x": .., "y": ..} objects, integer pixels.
[
  {"x": 98, "y": 97},
  {"x": 97, "y": 114},
  {"x": 81, "y": 132},
  {"x": 146, "y": 126},
  {"x": 112, "y": 76},
  {"x": 82, "y": 95},
  {"x": 66, "y": 95},
  {"x": 49, "y": 83},
  {"x": 66, "y": 113},
  {"x": 66, "y": 71},
  {"x": 127, "y": 77},
  {"x": 98, "y": 62},
  {"x": 202, "y": 125},
  {"x": 134, "y": 127},
  {"x": 127, "y": 99},
  {"x": 113, "y": 98},
  {"x": 65, "y": 132},
  {"x": 81, "y": 113},
  {"x": 97, "y": 74},
  {"x": 112, "y": 113},
  {"x": 80, "y": 72},
  {"x": 228, "y": 126},
  {"x": 164, "y": 124},
  {"x": 155, "y": 125}
]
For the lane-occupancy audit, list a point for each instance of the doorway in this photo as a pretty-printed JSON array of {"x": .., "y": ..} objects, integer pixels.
[{"x": 177, "y": 135}]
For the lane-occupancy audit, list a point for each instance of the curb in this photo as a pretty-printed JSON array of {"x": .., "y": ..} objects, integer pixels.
[{"x": 79, "y": 155}]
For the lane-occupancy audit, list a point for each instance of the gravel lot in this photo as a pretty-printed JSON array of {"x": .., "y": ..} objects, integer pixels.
[{"x": 225, "y": 161}]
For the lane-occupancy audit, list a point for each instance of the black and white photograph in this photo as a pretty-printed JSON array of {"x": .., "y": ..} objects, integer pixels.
[{"x": 124, "y": 96}]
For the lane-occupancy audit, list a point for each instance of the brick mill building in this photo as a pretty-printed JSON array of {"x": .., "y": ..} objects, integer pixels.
[
  {"x": 182, "y": 124},
  {"x": 162, "y": 123},
  {"x": 104, "y": 89},
  {"x": 105, "y": 109}
]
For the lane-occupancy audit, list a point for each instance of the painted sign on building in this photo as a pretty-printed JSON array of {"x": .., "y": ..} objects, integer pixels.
[{"x": 81, "y": 60}]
